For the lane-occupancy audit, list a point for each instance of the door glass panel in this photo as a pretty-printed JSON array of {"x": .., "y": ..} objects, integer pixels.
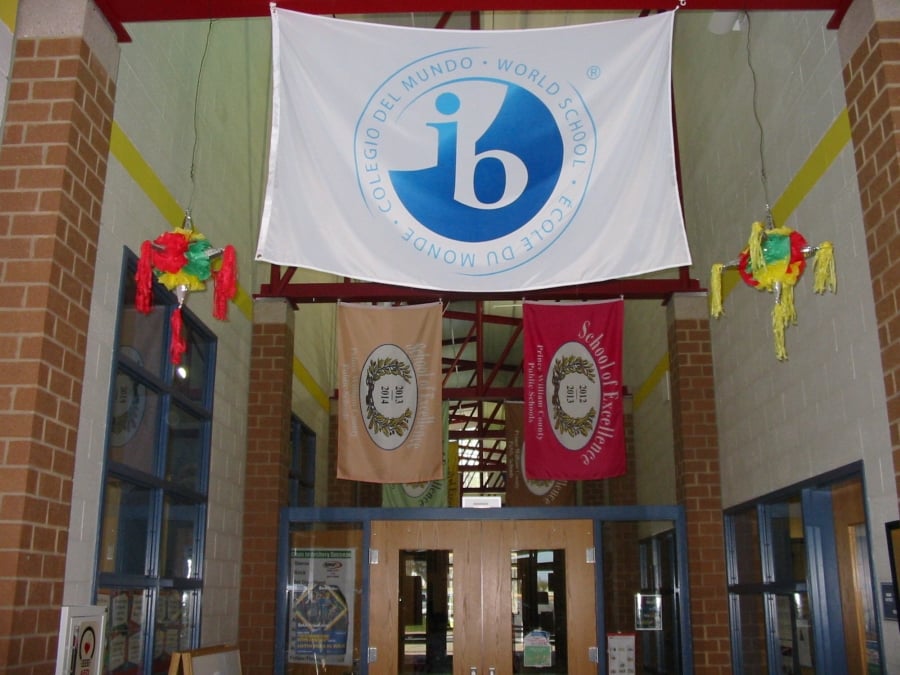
[
  {"x": 426, "y": 611},
  {"x": 641, "y": 591},
  {"x": 539, "y": 611},
  {"x": 793, "y": 633},
  {"x": 323, "y": 589}
]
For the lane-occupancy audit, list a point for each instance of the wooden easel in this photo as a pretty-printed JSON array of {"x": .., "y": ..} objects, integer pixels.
[{"x": 224, "y": 659}]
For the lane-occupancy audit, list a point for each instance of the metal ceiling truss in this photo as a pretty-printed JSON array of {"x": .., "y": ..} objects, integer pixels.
[{"x": 121, "y": 12}]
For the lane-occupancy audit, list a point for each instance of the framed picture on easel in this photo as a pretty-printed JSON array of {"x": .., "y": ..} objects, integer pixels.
[{"x": 219, "y": 660}]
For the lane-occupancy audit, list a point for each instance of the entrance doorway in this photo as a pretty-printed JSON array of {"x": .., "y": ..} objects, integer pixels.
[
  {"x": 471, "y": 597},
  {"x": 562, "y": 591}
]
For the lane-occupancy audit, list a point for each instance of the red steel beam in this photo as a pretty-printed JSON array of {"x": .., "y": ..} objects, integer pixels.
[
  {"x": 121, "y": 12},
  {"x": 629, "y": 289}
]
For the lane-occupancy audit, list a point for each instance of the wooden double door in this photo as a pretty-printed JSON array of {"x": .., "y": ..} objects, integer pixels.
[{"x": 490, "y": 597}]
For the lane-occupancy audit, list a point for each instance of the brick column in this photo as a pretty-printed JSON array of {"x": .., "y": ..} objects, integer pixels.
[
  {"x": 267, "y": 486},
  {"x": 697, "y": 479},
  {"x": 53, "y": 158},
  {"x": 872, "y": 80}
]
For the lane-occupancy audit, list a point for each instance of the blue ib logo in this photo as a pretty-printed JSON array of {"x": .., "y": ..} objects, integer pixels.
[{"x": 475, "y": 152}]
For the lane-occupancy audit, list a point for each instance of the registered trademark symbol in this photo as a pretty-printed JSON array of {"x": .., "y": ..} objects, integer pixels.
[{"x": 593, "y": 72}]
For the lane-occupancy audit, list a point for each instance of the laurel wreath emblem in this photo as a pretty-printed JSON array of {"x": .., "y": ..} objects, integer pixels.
[
  {"x": 378, "y": 422},
  {"x": 562, "y": 421}
]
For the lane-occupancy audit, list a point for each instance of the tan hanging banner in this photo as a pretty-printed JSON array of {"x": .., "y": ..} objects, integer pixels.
[{"x": 390, "y": 421}]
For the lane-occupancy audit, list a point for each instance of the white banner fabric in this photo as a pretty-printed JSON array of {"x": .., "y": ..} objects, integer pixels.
[{"x": 472, "y": 160}]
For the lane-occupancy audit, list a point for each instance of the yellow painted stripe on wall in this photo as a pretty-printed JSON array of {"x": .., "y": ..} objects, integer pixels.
[
  {"x": 8, "y": 11},
  {"x": 657, "y": 374},
  {"x": 815, "y": 166},
  {"x": 121, "y": 147},
  {"x": 309, "y": 382},
  {"x": 819, "y": 161}
]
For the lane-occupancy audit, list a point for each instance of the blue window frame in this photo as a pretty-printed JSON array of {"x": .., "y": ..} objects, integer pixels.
[
  {"x": 792, "y": 556},
  {"x": 303, "y": 464},
  {"x": 153, "y": 518}
]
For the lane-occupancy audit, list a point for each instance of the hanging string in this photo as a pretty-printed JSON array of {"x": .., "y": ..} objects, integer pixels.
[
  {"x": 764, "y": 178},
  {"x": 196, "y": 115}
]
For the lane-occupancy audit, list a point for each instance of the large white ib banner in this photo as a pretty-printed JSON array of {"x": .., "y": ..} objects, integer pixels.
[{"x": 472, "y": 160}]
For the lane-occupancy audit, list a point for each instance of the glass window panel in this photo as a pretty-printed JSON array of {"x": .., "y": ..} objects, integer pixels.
[
  {"x": 133, "y": 427},
  {"x": 788, "y": 549},
  {"x": 153, "y": 536},
  {"x": 191, "y": 377},
  {"x": 178, "y": 541},
  {"x": 123, "y": 537},
  {"x": 185, "y": 446},
  {"x": 324, "y": 595},
  {"x": 622, "y": 571},
  {"x": 539, "y": 611},
  {"x": 793, "y": 634},
  {"x": 175, "y": 616},
  {"x": 142, "y": 337},
  {"x": 127, "y": 611},
  {"x": 747, "y": 559},
  {"x": 667, "y": 560},
  {"x": 751, "y": 646}
]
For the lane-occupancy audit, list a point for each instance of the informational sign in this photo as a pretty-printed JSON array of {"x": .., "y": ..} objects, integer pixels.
[
  {"x": 620, "y": 648},
  {"x": 320, "y": 623},
  {"x": 82, "y": 634},
  {"x": 888, "y": 602},
  {"x": 647, "y": 611}
]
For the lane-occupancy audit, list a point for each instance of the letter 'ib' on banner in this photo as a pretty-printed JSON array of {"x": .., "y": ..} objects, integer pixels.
[
  {"x": 574, "y": 425},
  {"x": 479, "y": 160},
  {"x": 390, "y": 426}
]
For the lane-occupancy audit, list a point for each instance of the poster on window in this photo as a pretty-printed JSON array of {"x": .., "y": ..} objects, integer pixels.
[
  {"x": 620, "y": 647},
  {"x": 320, "y": 620}
]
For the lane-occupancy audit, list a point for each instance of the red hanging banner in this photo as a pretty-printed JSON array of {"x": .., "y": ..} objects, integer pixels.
[{"x": 574, "y": 428}]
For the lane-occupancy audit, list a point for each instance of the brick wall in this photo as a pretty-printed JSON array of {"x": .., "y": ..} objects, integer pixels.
[
  {"x": 872, "y": 77},
  {"x": 697, "y": 480},
  {"x": 266, "y": 490},
  {"x": 52, "y": 172}
]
